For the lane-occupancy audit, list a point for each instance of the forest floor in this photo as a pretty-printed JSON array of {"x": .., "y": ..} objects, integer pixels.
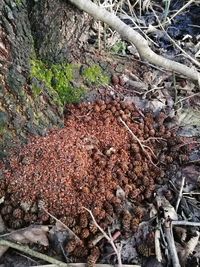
[{"x": 121, "y": 179}]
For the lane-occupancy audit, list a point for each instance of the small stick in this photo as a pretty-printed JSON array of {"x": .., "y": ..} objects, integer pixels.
[
  {"x": 171, "y": 244},
  {"x": 191, "y": 193},
  {"x": 186, "y": 223},
  {"x": 155, "y": 138},
  {"x": 33, "y": 253},
  {"x": 108, "y": 237},
  {"x": 140, "y": 143},
  {"x": 99, "y": 35},
  {"x": 97, "y": 239},
  {"x": 181, "y": 9},
  {"x": 157, "y": 245},
  {"x": 185, "y": 98},
  {"x": 64, "y": 225},
  {"x": 180, "y": 193},
  {"x": 189, "y": 143}
]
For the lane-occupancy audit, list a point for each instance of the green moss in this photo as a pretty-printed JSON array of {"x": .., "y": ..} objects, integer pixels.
[
  {"x": 95, "y": 75},
  {"x": 2, "y": 129},
  {"x": 18, "y": 2},
  {"x": 57, "y": 77}
]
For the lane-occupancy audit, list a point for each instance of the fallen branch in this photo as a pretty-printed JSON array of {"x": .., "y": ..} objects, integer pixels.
[
  {"x": 32, "y": 253},
  {"x": 108, "y": 237},
  {"x": 134, "y": 37},
  {"x": 171, "y": 244}
]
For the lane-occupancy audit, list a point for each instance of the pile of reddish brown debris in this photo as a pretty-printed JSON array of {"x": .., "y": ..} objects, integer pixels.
[{"x": 103, "y": 147}]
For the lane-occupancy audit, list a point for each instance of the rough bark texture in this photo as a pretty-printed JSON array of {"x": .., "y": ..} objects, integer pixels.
[
  {"x": 53, "y": 31},
  {"x": 45, "y": 29},
  {"x": 57, "y": 30}
]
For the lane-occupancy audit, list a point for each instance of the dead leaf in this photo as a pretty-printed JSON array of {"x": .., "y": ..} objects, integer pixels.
[
  {"x": 192, "y": 243},
  {"x": 32, "y": 234},
  {"x": 2, "y": 199},
  {"x": 189, "y": 122},
  {"x": 169, "y": 211},
  {"x": 153, "y": 211},
  {"x": 188, "y": 117}
]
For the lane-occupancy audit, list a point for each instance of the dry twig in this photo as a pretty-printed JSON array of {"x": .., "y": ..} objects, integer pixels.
[
  {"x": 180, "y": 193},
  {"x": 142, "y": 146},
  {"x": 157, "y": 244},
  {"x": 186, "y": 223},
  {"x": 109, "y": 238},
  {"x": 64, "y": 225},
  {"x": 171, "y": 244},
  {"x": 181, "y": 9},
  {"x": 32, "y": 253}
]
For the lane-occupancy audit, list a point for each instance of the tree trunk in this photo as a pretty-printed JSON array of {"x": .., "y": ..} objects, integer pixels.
[{"x": 48, "y": 30}]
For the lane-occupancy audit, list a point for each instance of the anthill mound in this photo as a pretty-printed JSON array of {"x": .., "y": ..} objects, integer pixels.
[{"x": 104, "y": 147}]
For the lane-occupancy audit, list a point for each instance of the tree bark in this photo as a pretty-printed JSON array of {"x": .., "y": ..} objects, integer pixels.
[{"x": 48, "y": 30}]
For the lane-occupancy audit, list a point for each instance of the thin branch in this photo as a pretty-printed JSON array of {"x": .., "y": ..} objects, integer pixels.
[
  {"x": 32, "y": 253},
  {"x": 185, "y": 98},
  {"x": 142, "y": 146},
  {"x": 171, "y": 244},
  {"x": 108, "y": 237},
  {"x": 157, "y": 245},
  {"x": 85, "y": 265},
  {"x": 96, "y": 240},
  {"x": 181, "y": 9},
  {"x": 154, "y": 138},
  {"x": 191, "y": 193},
  {"x": 180, "y": 193},
  {"x": 186, "y": 223},
  {"x": 64, "y": 225}
]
